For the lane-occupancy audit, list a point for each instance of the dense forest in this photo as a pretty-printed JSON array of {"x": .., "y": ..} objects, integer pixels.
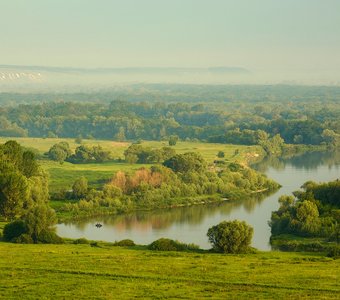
[{"x": 226, "y": 114}]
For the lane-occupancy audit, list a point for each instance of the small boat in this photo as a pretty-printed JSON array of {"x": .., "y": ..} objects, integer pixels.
[{"x": 98, "y": 225}]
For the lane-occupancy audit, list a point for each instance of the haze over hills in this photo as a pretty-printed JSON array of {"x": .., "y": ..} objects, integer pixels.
[
  {"x": 35, "y": 76},
  {"x": 40, "y": 78}
]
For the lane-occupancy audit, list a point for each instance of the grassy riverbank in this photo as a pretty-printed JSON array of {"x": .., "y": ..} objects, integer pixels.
[{"x": 107, "y": 272}]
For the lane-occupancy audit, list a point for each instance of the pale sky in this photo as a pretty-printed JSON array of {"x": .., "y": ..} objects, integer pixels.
[{"x": 254, "y": 34}]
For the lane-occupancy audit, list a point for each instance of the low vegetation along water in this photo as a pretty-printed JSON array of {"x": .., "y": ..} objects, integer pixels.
[{"x": 190, "y": 224}]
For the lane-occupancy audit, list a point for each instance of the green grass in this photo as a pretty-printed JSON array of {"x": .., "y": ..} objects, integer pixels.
[
  {"x": 63, "y": 175},
  {"x": 84, "y": 272}
]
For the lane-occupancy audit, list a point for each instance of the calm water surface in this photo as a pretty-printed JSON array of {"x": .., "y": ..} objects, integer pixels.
[{"x": 190, "y": 224}]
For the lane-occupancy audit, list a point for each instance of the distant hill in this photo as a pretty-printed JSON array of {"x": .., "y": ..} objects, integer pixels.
[
  {"x": 38, "y": 78},
  {"x": 156, "y": 70}
]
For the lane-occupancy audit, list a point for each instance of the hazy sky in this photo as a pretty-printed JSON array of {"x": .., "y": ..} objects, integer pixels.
[{"x": 255, "y": 34}]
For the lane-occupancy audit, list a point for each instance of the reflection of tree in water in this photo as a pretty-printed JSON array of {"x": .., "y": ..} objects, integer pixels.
[
  {"x": 162, "y": 219},
  {"x": 308, "y": 161},
  {"x": 316, "y": 159},
  {"x": 269, "y": 161}
]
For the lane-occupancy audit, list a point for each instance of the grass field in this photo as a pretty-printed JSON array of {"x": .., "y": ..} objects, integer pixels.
[
  {"x": 63, "y": 176},
  {"x": 84, "y": 272}
]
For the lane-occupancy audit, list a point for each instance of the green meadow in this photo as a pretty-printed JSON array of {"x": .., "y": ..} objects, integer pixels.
[
  {"x": 106, "y": 272},
  {"x": 63, "y": 175}
]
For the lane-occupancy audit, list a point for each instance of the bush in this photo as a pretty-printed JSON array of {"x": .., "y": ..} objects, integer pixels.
[
  {"x": 125, "y": 243},
  {"x": 334, "y": 251},
  {"x": 23, "y": 239},
  {"x": 231, "y": 237},
  {"x": 14, "y": 229},
  {"x": 49, "y": 237},
  {"x": 81, "y": 241},
  {"x": 220, "y": 154},
  {"x": 94, "y": 244},
  {"x": 164, "y": 244}
]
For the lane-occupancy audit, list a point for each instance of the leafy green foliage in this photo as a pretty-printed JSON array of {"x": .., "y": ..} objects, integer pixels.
[
  {"x": 40, "y": 220},
  {"x": 313, "y": 213},
  {"x": 60, "y": 152},
  {"x": 228, "y": 114},
  {"x": 136, "y": 153},
  {"x": 164, "y": 244},
  {"x": 80, "y": 187},
  {"x": 161, "y": 187},
  {"x": 231, "y": 237},
  {"x": 14, "y": 230},
  {"x": 125, "y": 243},
  {"x": 187, "y": 162},
  {"x": 220, "y": 154},
  {"x": 24, "y": 197},
  {"x": 14, "y": 191},
  {"x": 173, "y": 139},
  {"x": 81, "y": 241},
  {"x": 85, "y": 154}
]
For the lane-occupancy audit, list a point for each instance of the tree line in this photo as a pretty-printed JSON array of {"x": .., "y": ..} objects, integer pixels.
[{"x": 309, "y": 120}]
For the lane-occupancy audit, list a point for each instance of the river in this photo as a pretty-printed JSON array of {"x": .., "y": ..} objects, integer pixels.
[{"x": 190, "y": 224}]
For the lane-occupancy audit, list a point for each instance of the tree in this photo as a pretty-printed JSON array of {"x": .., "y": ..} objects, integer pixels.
[
  {"x": 131, "y": 158},
  {"x": 14, "y": 191},
  {"x": 308, "y": 215},
  {"x": 80, "y": 187},
  {"x": 120, "y": 135},
  {"x": 168, "y": 152},
  {"x": 59, "y": 152},
  {"x": 13, "y": 152},
  {"x": 39, "y": 221},
  {"x": 231, "y": 236},
  {"x": 273, "y": 146},
  {"x": 24, "y": 197},
  {"x": 36, "y": 226},
  {"x": 29, "y": 164},
  {"x": 190, "y": 161},
  {"x": 173, "y": 139},
  {"x": 14, "y": 229},
  {"x": 220, "y": 154}
]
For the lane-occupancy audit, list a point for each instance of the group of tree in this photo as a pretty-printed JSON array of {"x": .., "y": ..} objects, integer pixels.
[
  {"x": 312, "y": 212},
  {"x": 136, "y": 153},
  {"x": 24, "y": 197},
  {"x": 183, "y": 179},
  {"x": 246, "y": 119},
  {"x": 83, "y": 154}
]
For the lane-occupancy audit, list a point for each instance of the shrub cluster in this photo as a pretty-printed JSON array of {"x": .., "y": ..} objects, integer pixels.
[{"x": 164, "y": 244}]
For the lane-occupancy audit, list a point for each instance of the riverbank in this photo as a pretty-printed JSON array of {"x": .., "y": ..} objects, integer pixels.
[{"x": 186, "y": 202}]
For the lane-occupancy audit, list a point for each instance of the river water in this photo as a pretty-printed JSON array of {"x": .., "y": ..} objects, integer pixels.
[{"x": 190, "y": 224}]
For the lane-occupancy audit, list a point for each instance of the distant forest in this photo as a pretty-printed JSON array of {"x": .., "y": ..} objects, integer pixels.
[{"x": 227, "y": 114}]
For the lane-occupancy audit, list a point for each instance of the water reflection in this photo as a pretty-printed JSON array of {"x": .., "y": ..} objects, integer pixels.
[
  {"x": 307, "y": 161},
  {"x": 143, "y": 221}
]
